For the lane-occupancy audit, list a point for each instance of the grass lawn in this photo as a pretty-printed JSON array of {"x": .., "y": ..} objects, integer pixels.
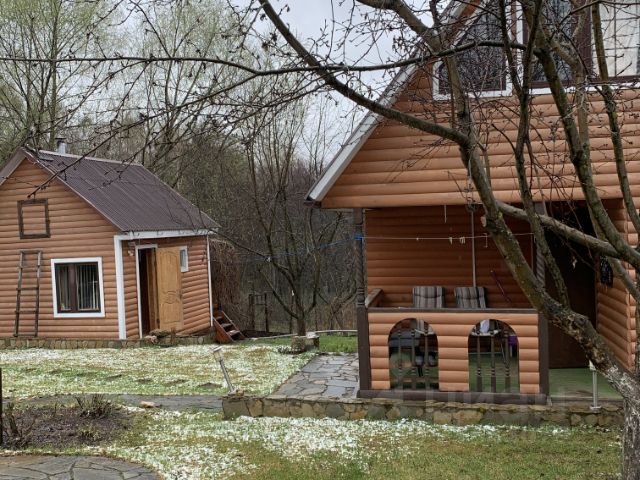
[
  {"x": 328, "y": 343},
  {"x": 577, "y": 382},
  {"x": 203, "y": 446},
  {"x": 255, "y": 368}
]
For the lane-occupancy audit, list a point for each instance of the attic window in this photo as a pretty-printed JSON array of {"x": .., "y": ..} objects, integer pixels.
[
  {"x": 33, "y": 218},
  {"x": 482, "y": 69}
]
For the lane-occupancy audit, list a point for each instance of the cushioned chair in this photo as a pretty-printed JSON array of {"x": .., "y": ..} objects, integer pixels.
[
  {"x": 428, "y": 297},
  {"x": 470, "y": 297}
]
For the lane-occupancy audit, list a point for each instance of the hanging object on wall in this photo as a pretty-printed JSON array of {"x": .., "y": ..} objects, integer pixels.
[{"x": 606, "y": 272}]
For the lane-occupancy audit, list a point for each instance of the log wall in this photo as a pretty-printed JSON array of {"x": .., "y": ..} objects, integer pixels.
[
  {"x": 399, "y": 166},
  {"x": 397, "y": 261},
  {"x": 452, "y": 330},
  {"x": 77, "y": 230},
  {"x": 195, "y": 284}
]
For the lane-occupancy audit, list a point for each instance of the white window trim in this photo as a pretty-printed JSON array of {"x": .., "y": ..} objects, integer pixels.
[
  {"x": 56, "y": 314},
  {"x": 184, "y": 249}
]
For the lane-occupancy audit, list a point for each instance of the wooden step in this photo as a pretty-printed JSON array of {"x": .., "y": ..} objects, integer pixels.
[{"x": 233, "y": 333}]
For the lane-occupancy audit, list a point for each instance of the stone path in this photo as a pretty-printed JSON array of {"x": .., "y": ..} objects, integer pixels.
[
  {"x": 28, "y": 467},
  {"x": 331, "y": 376}
]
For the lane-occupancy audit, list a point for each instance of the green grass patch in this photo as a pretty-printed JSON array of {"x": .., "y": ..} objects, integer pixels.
[
  {"x": 328, "y": 343},
  {"x": 203, "y": 446}
]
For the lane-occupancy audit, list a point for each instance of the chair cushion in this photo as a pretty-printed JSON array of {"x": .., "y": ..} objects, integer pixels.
[
  {"x": 428, "y": 297},
  {"x": 470, "y": 297}
]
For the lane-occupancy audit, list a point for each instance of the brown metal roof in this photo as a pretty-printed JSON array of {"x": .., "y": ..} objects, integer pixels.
[{"x": 128, "y": 195}]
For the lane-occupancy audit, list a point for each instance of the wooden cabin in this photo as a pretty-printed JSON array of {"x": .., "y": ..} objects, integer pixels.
[
  {"x": 419, "y": 227},
  {"x": 97, "y": 249}
]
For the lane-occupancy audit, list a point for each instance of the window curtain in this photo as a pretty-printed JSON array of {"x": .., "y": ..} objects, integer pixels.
[{"x": 87, "y": 286}]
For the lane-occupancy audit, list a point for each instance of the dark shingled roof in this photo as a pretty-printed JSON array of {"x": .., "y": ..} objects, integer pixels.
[{"x": 128, "y": 195}]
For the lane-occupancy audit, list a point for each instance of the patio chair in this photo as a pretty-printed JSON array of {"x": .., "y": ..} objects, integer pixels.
[
  {"x": 470, "y": 297},
  {"x": 428, "y": 297},
  {"x": 473, "y": 298}
]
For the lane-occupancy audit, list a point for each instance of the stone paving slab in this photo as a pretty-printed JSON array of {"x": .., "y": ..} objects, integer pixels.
[
  {"x": 44, "y": 467},
  {"x": 328, "y": 376}
]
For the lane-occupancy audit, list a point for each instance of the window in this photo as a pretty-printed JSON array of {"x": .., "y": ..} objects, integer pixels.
[
  {"x": 621, "y": 29},
  {"x": 561, "y": 24},
  {"x": 482, "y": 69},
  {"x": 184, "y": 259},
  {"x": 33, "y": 218},
  {"x": 77, "y": 287}
]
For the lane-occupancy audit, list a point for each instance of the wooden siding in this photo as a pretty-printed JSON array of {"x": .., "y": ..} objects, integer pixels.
[
  {"x": 397, "y": 261},
  {"x": 399, "y": 166},
  {"x": 452, "y": 330},
  {"x": 615, "y": 306},
  {"x": 195, "y": 284},
  {"x": 77, "y": 230}
]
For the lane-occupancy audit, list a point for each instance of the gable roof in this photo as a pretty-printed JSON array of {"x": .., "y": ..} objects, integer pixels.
[
  {"x": 128, "y": 195},
  {"x": 453, "y": 11}
]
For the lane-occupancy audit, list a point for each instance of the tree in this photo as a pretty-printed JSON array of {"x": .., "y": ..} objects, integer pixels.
[
  {"x": 38, "y": 100},
  {"x": 554, "y": 52},
  {"x": 292, "y": 237}
]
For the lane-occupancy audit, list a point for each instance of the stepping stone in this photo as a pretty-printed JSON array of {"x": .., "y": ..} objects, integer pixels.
[{"x": 28, "y": 467}]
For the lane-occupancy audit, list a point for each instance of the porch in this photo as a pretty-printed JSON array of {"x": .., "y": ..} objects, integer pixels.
[{"x": 500, "y": 349}]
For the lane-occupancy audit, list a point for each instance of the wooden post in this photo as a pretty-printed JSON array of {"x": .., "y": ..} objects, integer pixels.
[{"x": 362, "y": 320}]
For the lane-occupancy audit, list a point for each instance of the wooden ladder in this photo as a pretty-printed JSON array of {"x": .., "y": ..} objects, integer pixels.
[
  {"x": 226, "y": 330},
  {"x": 25, "y": 266}
]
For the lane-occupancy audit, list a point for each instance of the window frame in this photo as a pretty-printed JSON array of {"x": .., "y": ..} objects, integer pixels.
[
  {"x": 508, "y": 87},
  {"x": 88, "y": 314},
  {"x": 33, "y": 201},
  {"x": 586, "y": 51},
  {"x": 614, "y": 78},
  {"x": 184, "y": 249}
]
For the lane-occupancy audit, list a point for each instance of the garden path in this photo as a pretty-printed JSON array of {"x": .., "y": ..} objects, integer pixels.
[
  {"x": 33, "y": 467},
  {"x": 331, "y": 376}
]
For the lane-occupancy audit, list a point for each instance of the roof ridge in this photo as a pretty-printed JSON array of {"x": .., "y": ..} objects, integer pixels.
[{"x": 84, "y": 157}]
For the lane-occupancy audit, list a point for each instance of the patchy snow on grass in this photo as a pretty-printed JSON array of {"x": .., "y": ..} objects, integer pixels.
[
  {"x": 257, "y": 369},
  {"x": 202, "y": 446}
]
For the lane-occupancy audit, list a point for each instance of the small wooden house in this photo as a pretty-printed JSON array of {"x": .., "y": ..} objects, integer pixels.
[
  {"x": 96, "y": 249},
  {"x": 444, "y": 318}
]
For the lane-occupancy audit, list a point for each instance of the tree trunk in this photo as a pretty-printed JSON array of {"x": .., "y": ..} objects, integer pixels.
[
  {"x": 631, "y": 441},
  {"x": 301, "y": 325}
]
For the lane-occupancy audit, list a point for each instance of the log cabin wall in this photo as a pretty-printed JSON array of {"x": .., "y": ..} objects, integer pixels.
[
  {"x": 195, "y": 284},
  {"x": 76, "y": 230},
  {"x": 615, "y": 306},
  {"x": 396, "y": 261},
  {"x": 452, "y": 330},
  {"x": 399, "y": 166}
]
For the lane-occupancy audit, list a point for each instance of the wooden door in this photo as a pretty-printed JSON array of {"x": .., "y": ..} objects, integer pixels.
[{"x": 169, "y": 288}]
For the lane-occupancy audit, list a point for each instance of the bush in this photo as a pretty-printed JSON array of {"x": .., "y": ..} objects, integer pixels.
[{"x": 96, "y": 406}]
